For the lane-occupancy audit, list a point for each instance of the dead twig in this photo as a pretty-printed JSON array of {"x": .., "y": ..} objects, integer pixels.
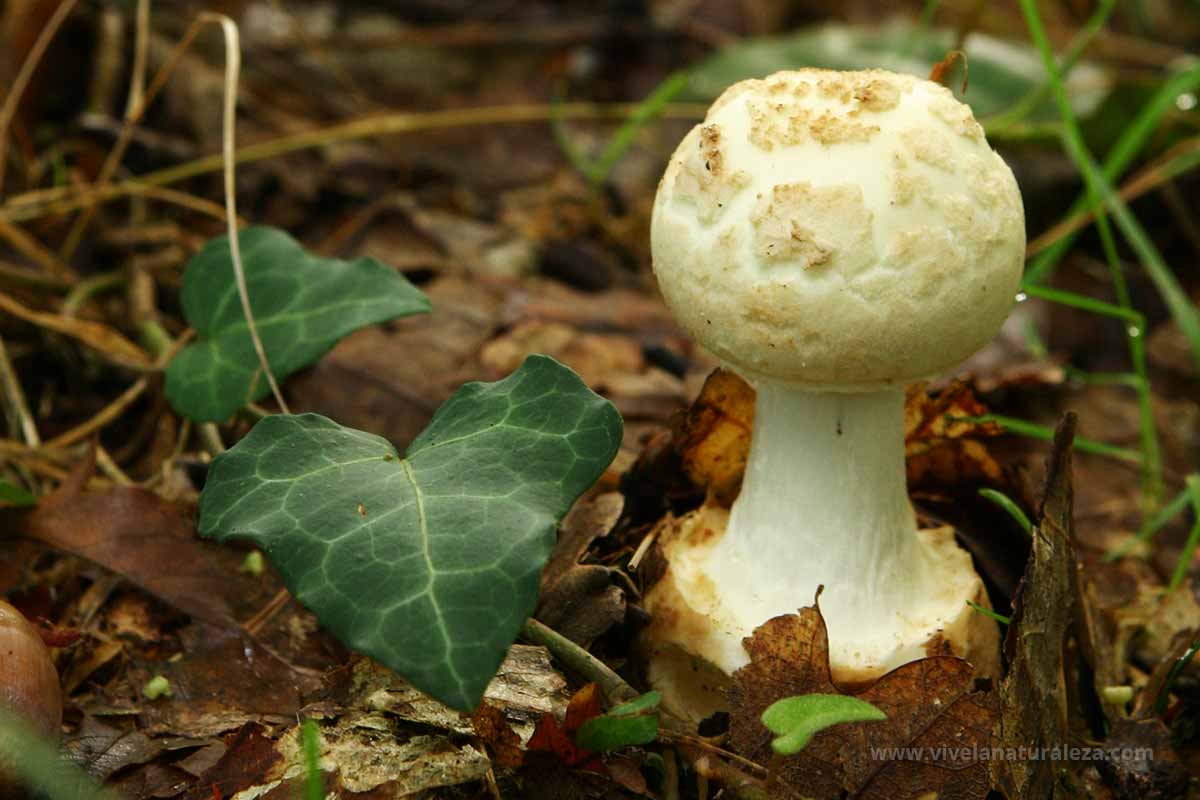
[
  {"x": 13, "y": 99},
  {"x": 61, "y": 200},
  {"x": 698, "y": 751},
  {"x": 32, "y": 249},
  {"x": 15, "y": 398},
  {"x": 107, "y": 414},
  {"x": 104, "y": 340}
]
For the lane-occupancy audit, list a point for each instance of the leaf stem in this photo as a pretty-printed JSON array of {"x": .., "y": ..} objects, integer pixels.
[
  {"x": 579, "y": 661},
  {"x": 233, "y": 64}
]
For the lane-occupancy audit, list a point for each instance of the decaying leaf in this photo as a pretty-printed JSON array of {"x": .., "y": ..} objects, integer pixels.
[
  {"x": 937, "y": 723},
  {"x": 613, "y": 364},
  {"x": 578, "y": 600},
  {"x": 370, "y": 753},
  {"x": 250, "y": 755},
  {"x": 104, "y": 749},
  {"x": 713, "y": 437},
  {"x": 390, "y": 379},
  {"x": 941, "y": 447},
  {"x": 493, "y": 730},
  {"x": 557, "y": 737},
  {"x": 136, "y": 534},
  {"x": 222, "y": 680},
  {"x": 1152, "y": 619},
  {"x": 1033, "y": 695},
  {"x": 1142, "y": 763},
  {"x": 527, "y": 687},
  {"x": 359, "y": 753}
]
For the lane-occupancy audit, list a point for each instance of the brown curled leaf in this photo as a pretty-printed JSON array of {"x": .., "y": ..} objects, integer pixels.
[{"x": 937, "y": 725}]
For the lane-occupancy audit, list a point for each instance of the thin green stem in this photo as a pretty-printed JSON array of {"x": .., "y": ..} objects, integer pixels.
[
  {"x": 1035, "y": 431},
  {"x": 647, "y": 110},
  {"x": 597, "y": 170},
  {"x": 1100, "y": 194},
  {"x": 1129, "y": 379},
  {"x": 1038, "y": 95},
  {"x": 1005, "y": 502},
  {"x": 1153, "y": 525},
  {"x": 1085, "y": 303},
  {"x": 579, "y": 661},
  {"x": 1128, "y": 146},
  {"x": 1160, "y": 703},
  {"x": 924, "y": 22},
  {"x": 310, "y": 738},
  {"x": 987, "y": 612},
  {"x": 154, "y": 338},
  {"x": 88, "y": 288},
  {"x": 1183, "y": 565}
]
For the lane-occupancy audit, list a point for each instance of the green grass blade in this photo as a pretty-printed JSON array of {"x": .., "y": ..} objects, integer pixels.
[
  {"x": 1160, "y": 702},
  {"x": 1045, "y": 433},
  {"x": 647, "y": 110},
  {"x": 1036, "y": 96},
  {"x": 987, "y": 612},
  {"x": 563, "y": 140},
  {"x": 310, "y": 741},
  {"x": 924, "y": 22},
  {"x": 1152, "y": 526},
  {"x": 1184, "y": 313},
  {"x": 1130, "y": 379},
  {"x": 1193, "y": 540},
  {"x": 1085, "y": 303},
  {"x": 1099, "y": 192},
  {"x": 598, "y": 169},
  {"x": 1128, "y": 146},
  {"x": 1005, "y": 502}
]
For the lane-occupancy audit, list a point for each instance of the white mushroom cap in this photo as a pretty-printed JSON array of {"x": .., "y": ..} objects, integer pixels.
[{"x": 838, "y": 230}]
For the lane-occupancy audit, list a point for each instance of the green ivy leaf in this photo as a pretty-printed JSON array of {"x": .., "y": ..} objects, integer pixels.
[
  {"x": 14, "y": 495},
  {"x": 302, "y": 304},
  {"x": 430, "y": 563},
  {"x": 797, "y": 719},
  {"x": 632, "y": 723}
]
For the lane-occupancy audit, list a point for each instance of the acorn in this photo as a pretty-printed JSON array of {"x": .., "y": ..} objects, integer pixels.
[{"x": 29, "y": 685}]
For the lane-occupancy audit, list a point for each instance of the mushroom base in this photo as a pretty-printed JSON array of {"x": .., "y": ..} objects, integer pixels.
[{"x": 693, "y": 645}]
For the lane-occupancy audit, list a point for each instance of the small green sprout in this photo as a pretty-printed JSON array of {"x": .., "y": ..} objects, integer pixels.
[
  {"x": 157, "y": 687},
  {"x": 797, "y": 719}
]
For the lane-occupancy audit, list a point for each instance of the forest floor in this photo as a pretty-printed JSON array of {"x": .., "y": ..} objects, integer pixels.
[{"x": 486, "y": 151}]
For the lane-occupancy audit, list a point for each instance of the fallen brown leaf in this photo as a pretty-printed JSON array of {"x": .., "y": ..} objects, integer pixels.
[
  {"x": 502, "y": 741},
  {"x": 222, "y": 680},
  {"x": 713, "y": 437},
  {"x": 557, "y": 738},
  {"x": 940, "y": 446},
  {"x": 249, "y": 756},
  {"x": 104, "y": 749},
  {"x": 931, "y": 742},
  {"x": 1143, "y": 765},
  {"x": 136, "y": 534},
  {"x": 579, "y": 600}
]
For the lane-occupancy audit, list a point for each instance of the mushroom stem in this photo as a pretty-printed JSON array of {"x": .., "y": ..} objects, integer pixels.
[{"x": 824, "y": 501}]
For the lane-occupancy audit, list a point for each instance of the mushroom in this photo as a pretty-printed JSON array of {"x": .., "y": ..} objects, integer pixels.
[
  {"x": 29, "y": 685},
  {"x": 830, "y": 236}
]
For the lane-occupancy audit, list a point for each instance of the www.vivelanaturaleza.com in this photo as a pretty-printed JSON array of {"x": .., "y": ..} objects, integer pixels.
[{"x": 969, "y": 755}]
